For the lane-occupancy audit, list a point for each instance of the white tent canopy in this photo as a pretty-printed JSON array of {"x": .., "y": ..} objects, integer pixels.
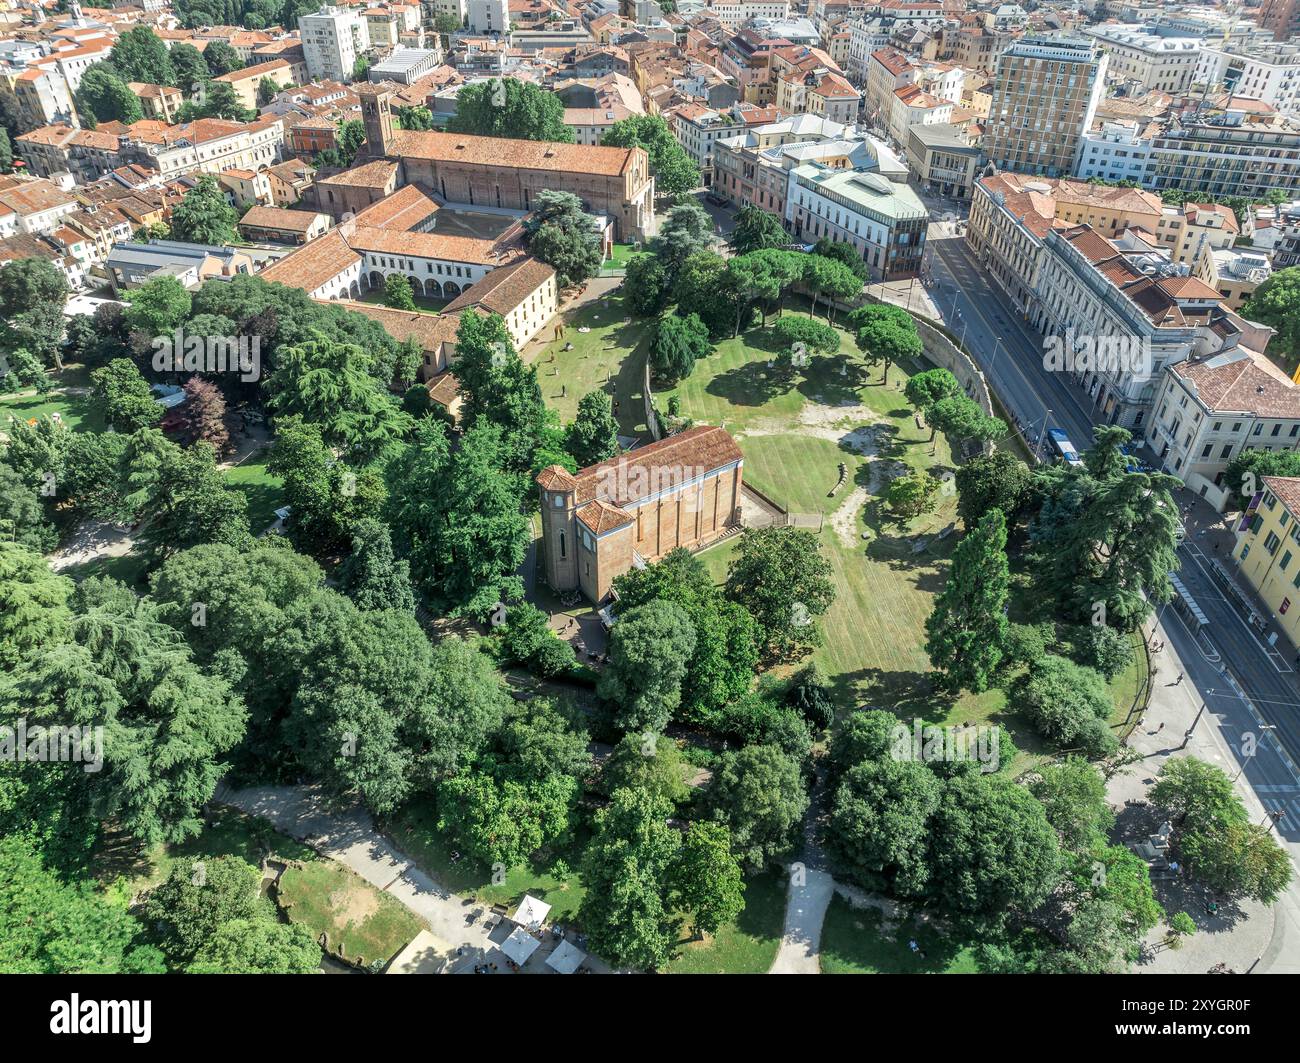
[
  {"x": 532, "y": 912},
  {"x": 520, "y": 945},
  {"x": 566, "y": 958}
]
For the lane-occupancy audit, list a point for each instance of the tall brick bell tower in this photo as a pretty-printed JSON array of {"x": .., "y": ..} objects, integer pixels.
[
  {"x": 377, "y": 117},
  {"x": 559, "y": 526}
]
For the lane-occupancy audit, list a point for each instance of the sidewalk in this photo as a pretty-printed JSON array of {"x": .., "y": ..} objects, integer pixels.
[{"x": 1242, "y": 934}]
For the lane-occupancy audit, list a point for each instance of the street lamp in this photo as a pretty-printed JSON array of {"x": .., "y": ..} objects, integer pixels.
[{"x": 1038, "y": 447}]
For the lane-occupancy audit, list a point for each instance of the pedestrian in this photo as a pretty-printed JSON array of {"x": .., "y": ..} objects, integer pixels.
[
  {"x": 1161, "y": 727},
  {"x": 1179, "y": 679},
  {"x": 913, "y": 945}
]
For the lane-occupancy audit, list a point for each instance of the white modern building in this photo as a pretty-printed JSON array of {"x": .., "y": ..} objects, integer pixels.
[
  {"x": 1116, "y": 153},
  {"x": 332, "y": 40},
  {"x": 489, "y": 16},
  {"x": 1270, "y": 74},
  {"x": 1139, "y": 54}
]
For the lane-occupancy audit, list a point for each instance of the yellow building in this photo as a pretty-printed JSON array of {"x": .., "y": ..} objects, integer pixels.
[{"x": 1268, "y": 552}]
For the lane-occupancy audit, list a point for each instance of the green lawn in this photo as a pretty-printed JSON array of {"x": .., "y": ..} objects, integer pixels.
[
  {"x": 78, "y": 412},
  {"x": 608, "y": 357},
  {"x": 620, "y": 255},
  {"x": 363, "y": 924},
  {"x": 794, "y": 436},
  {"x": 263, "y": 490},
  {"x": 129, "y": 568},
  {"x": 414, "y": 830},
  {"x": 747, "y": 946},
  {"x": 853, "y": 943},
  {"x": 424, "y": 305}
]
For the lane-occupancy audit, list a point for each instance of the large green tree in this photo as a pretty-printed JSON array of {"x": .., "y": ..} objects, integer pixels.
[
  {"x": 456, "y": 517},
  {"x": 757, "y": 229},
  {"x": 780, "y": 576},
  {"x": 706, "y": 878},
  {"x": 510, "y": 108},
  {"x": 626, "y": 869},
  {"x": 1276, "y": 303},
  {"x": 674, "y": 171},
  {"x": 649, "y": 649},
  {"x": 758, "y": 791},
  {"x": 966, "y": 628},
  {"x": 204, "y": 216}
]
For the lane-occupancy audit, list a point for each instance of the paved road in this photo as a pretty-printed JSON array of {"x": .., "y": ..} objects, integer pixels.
[
  {"x": 1008, "y": 350},
  {"x": 1251, "y": 689}
]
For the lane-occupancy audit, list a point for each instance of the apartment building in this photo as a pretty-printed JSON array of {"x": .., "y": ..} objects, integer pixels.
[
  {"x": 247, "y": 80},
  {"x": 489, "y": 17},
  {"x": 1011, "y": 215},
  {"x": 1280, "y": 17},
  {"x": 942, "y": 159},
  {"x": 1267, "y": 546},
  {"x": 1209, "y": 410},
  {"x": 1140, "y": 55},
  {"x": 1045, "y": 96},
  {"x": 1233, "y": 274},
  {"x": 1145, "y": 308},
  {"x": 884, "y": 220},
  {"x": 754, "y": 168},
  {"x": 1226, "y": 153},
  {"x": 1189, "y": 228},
  {"x": 1269, "y": 73},
  {"x": 206, "y": 145},
  {"x": 976, "y": 47},
  {"x": 332, "y": 40}
]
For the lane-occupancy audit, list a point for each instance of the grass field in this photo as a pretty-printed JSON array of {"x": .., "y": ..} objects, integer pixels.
[
  {"x": 77, "y": 411},
  {"x": 363, "y": 924},
  {"x": 747, "y": 946},
  {"x": 608, "y": 357},
  {"x": 262, "y": 490},
  {"x": 794, "y": 436},
  {"x": 854, "y": 943}
]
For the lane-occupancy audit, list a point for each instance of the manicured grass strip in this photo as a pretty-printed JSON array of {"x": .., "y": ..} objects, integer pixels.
[
  {"x": 854, "y": 943},
  {"x": 364, "y": 925},
  {"x": 747, "y": 946}
]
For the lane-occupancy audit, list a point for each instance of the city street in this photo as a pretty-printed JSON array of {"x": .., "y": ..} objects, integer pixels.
[
  {"x": 1008, "y": 350},
  {"x": 1248, "y": 685}
]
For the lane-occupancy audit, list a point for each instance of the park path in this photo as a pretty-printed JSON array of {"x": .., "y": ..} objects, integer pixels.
[
  {"x": 808, "y": 895},
  {"x": 350, "y": 837}
]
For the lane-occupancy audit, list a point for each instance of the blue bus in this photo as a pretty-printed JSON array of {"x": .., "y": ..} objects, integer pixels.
[{"x": 1063, "y": 448}]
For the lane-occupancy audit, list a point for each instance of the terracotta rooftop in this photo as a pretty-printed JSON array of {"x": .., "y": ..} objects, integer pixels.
[
  {"x": 1242, "y": 385},
  {"x": 504, "y": 289},
  {"x": 631, "y": 476},
  {"x": 1287, "y": 489},
  {"x": 601, "y": 517},
  {"x": 368, "y": 175},
  {"x": 430, "y": 331},
  {"x": 313, "y": 265},
  {"x": 271, "y": 66},
  {"x": 259, "y": 217},
  {"x": 513, "y": 154},
  {"x": 430, "y": 245},
  {"x": 404, "y": 209}
]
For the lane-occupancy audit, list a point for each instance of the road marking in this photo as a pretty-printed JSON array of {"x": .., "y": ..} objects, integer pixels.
[{"x": 1274, "y": 658}]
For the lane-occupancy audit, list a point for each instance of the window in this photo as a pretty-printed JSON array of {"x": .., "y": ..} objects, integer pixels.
[
  {"x": 1271, "y": 543},
  {"x": 564, "y": 551},
  {"x": 1286, "y": 560}
]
